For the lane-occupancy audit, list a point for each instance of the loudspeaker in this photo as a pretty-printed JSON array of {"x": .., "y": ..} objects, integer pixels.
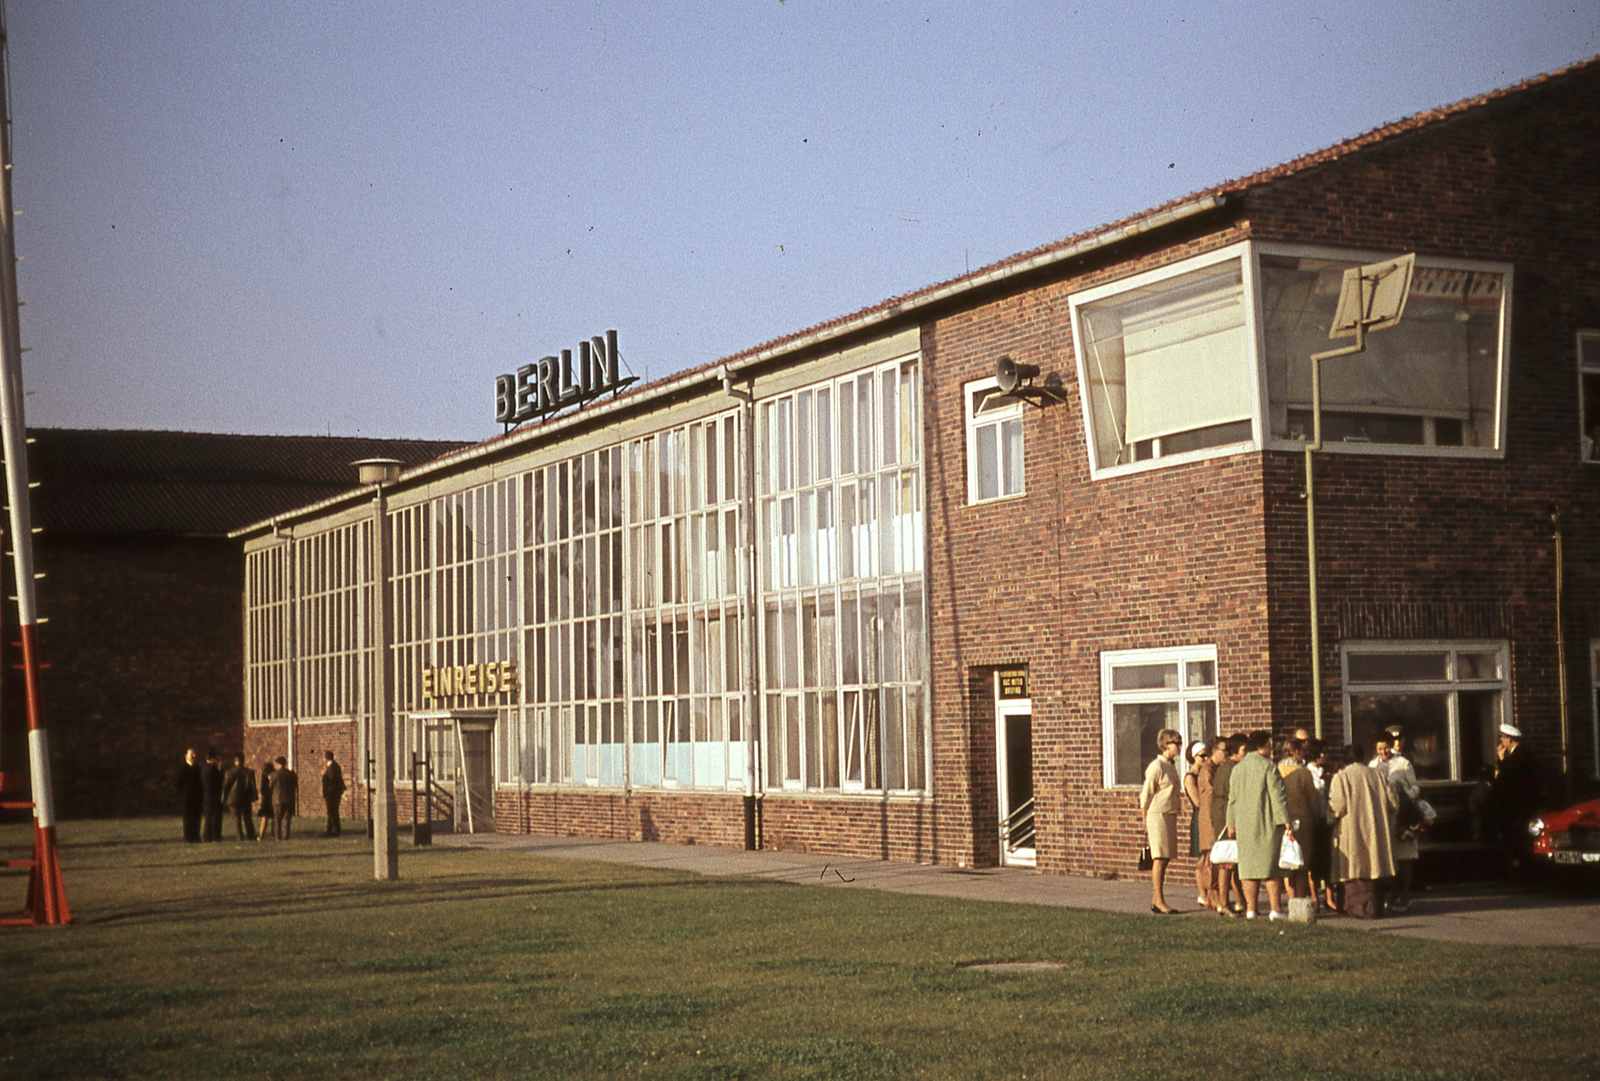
[{"x": 1009, "y": 374}]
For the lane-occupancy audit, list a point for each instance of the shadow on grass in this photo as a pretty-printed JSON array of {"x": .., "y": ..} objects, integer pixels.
[{"x": 380, "y": 896}]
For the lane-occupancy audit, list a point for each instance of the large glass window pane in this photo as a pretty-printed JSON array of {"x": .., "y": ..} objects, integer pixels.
[
  {"x": 847, "y": 427},
  {"x": 1011, "y": 455},
  {"x": 1433, "y": 378},
  {"x": 1136, "y": 677},
  {"x": 830, "y": 740},
  {"x": 987, "y": 439},
  {"x": 1478, "y": 665},
  {"x": 1167, "y": 357},
  {"x": 864, "y": 441},
  {"x": 803, "y": 438},
  {"x": 1135, "y": 726},
  {"x": 824, "y": 434},
  {"x": 713, "y": 490},
  {"x": 1425, "y": 719},
  {"x": 1399, "y": 667}
]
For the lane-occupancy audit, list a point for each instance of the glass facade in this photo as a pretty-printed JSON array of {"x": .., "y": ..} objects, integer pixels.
[{"x": 614, "y": 582}]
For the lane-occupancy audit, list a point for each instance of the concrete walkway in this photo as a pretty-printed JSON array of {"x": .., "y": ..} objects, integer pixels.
[{"x": 1499, "y": 915}]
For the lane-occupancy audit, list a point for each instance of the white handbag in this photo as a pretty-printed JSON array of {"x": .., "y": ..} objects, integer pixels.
[
  {"x": 1290, "y": 857},
  {"x": 1225, "y": 851}
]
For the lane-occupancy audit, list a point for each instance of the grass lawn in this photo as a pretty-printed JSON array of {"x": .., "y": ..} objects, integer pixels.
[{"x": 289, "y": 961}]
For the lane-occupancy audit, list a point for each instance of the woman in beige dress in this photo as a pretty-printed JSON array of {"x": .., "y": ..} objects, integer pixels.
[
  {"x": 1158, "y": 799},
  {"x": 1197, "y": 787}
]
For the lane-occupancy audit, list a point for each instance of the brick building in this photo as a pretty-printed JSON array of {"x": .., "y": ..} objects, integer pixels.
[
  {"x": 141, "y": 592},
  {"x": 972, "y": 610}
]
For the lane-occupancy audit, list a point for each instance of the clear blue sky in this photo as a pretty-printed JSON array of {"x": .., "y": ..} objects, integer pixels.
[{"x": 346, "y": 218}]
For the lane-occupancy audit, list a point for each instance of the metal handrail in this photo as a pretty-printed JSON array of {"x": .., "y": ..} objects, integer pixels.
[{"x": 1018, "y": 831}]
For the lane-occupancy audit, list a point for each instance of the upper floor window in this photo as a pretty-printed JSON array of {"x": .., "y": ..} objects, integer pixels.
[
  {"x": 994, "y": 442},
  {"x": 1168, "y": 361},
  {"x": 1212, "y": 355},
  {"x": 1432, "y": 380},
  {"x": 1589, "y": 388}
]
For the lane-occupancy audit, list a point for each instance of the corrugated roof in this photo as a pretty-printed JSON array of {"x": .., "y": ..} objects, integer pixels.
[{"x": 100, "y": 482}]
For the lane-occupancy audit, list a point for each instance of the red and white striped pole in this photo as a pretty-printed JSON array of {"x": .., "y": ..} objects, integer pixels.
[{"x": 47, "y": 898}]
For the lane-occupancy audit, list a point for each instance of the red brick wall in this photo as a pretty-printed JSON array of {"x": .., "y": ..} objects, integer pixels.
[
  {"x": 144, "y": 649},
  {"x": 311, "y": 740}
]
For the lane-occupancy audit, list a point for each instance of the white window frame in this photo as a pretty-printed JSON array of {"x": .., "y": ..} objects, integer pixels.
[
  {"x": 1588, "y": 450},
  {"x": 1240, "y": 253},
  {"x": 1184, "y": 695},
  {"x": 1451, "y": 686},
  {"x": 1368, "y": 255},
  {"x": 993, "y": 417}
]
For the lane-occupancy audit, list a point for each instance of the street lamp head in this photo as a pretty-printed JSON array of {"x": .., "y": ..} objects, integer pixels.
[{"x": 378, "y": 470}]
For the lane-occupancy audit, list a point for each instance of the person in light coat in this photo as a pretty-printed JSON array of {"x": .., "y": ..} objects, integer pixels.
[
  {"x": 1389, "y": 761},
  {"x": 1362, "y": 808},
  {"x": 1158, "y": 799}
]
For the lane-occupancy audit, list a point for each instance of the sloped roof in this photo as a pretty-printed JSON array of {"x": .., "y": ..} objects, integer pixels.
[
  {"x": 1217, "y": 193},
  {"x": 101, "y": 482},
  {"x": 887, "y": 312}
]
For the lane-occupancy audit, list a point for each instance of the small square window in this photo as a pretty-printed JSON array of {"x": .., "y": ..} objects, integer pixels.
[
  {"x": 994, "y": 442},
  {"x": 1146, "y": 690}
]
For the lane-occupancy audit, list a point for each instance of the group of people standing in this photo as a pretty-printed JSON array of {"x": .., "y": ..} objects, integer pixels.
[
  {"x": 1354, "y": 820},
  {"x": 206, "y": 790}
]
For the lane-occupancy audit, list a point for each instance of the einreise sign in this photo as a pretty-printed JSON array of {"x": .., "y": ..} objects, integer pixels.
[{"x": 551, "y": 384}]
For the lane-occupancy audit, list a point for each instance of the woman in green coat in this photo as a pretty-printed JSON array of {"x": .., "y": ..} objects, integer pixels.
[{"x": 1258, "y": 809}]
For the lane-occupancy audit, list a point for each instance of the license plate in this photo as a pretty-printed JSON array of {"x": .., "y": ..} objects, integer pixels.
[{"x": 1575, "y": 857}]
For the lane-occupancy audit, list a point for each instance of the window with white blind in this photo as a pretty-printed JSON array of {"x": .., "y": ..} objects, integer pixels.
[{"x": 1168, "y": 362}]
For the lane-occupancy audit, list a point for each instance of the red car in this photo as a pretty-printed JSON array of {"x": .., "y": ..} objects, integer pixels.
[{"x": 1569, "y": 838}]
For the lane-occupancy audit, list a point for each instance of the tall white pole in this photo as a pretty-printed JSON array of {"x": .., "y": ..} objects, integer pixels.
[
  {"x": 385, "y": 816},
  {"x": 47, "y": 899}
]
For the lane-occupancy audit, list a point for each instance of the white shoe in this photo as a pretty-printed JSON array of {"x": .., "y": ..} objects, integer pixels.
[
  {"x": 1276, "y": 916},
  {"x": 1249, "y": 913},
  {"x": 1201, "y": 901}
]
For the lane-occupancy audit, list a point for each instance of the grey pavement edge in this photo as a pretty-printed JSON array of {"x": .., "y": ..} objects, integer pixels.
[{"x": 1493, "y": 915}]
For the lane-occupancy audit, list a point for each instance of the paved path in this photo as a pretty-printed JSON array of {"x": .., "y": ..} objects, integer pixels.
[{"x": 1486, "y": 914}]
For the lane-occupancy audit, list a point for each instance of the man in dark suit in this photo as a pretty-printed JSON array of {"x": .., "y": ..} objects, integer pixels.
[
  {"x": 285, "y": 787},
  {"x": 332, "y": 793},
  {"x": 190, "y": 793},
  {"x": 211, "y": 792},
  {"x": 1514, "y": 795},
  {"x": 238, "y": 792}
]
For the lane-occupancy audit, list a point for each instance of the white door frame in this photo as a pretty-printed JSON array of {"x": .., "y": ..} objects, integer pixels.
[{"x": 1006, "y": 708}]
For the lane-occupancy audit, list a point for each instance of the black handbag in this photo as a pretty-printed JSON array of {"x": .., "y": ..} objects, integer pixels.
[
  {"x": 1410, "y": 816},
  {"x": 1145, "y": 860}
]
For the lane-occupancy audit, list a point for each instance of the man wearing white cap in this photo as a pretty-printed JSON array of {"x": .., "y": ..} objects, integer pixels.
[{"x": 1515, "y": 793}]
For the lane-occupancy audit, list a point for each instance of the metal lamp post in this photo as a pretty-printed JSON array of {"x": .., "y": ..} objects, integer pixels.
[{"x": 381, "y": 472}]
